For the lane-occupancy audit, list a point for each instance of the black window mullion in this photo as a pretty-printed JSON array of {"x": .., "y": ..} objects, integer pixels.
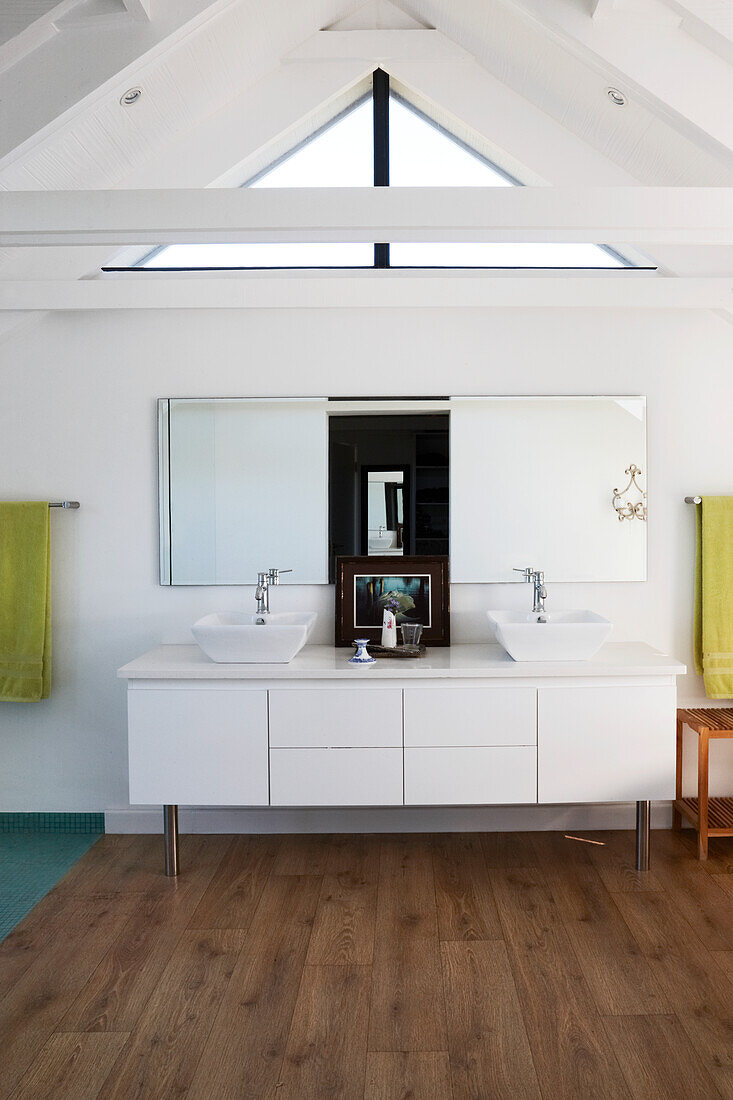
[{"x": 380, "y": 99}]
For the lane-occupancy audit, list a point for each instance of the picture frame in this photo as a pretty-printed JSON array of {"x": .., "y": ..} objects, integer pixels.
[{"x": 418, "y": 585}]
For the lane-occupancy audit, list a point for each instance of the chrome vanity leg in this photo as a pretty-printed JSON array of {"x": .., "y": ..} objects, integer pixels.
[
  {"x": 170, "y": 830},
  {"x": 642, "y": 835}
]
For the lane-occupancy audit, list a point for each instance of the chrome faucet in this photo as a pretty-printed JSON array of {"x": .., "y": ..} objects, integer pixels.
[
  {"x": 537, "y": 578},
  {"x": 262, "y": 591}
]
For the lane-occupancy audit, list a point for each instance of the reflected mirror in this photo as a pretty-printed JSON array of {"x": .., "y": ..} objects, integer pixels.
[
  {"x": 388, "y": 484},
  {"x": 385, "y": 518}
]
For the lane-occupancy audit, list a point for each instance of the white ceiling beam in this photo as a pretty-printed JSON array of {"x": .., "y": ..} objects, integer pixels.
[
  {"x": 32, "y": 38},
  {"x": 93, "y": 15},
  {"x": 57, "y": 79},
  {"x": 654, "y": 12},
  {"x": 369, "y": 290},
  {"x": 227, "y": 148},
  {"x": 602, "y": 9},
  {"x": 378, "y": 45},
  {"x": 716, "y": 13},
  {"x": 709, "y": 23},
  {"x": 374, "y": 14},
  {"x": 662, "y": 66},
  {"x": 139, "y": 9},
  {"x": 608, "y": 215}
]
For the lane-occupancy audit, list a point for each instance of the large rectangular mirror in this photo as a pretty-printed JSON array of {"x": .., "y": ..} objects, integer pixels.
[
  {"x": 495, "y": 482},
  {"x": 532, "y": 483},
  {"x": 243, "y": 487}
]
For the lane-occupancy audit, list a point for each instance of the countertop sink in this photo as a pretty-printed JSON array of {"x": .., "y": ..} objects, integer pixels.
[
  {"x": 380, "y": 542},
  {"x": 238, "y": 638},
  {"x": 550, "y": 635}
]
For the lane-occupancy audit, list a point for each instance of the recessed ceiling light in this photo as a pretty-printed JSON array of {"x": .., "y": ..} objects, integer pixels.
[
  {"x": 616, "y": 97},
  {"x": 131, "y": 96}
]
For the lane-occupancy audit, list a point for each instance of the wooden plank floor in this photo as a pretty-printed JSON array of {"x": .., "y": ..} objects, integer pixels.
[{"x": 446, "y": 967}]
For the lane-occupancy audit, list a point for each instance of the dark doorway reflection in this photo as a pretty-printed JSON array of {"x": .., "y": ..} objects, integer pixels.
[{"x": 388, "y": 485}]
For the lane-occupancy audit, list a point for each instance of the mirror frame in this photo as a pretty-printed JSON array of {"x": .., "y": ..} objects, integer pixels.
[{"x": 164, "y": 491}]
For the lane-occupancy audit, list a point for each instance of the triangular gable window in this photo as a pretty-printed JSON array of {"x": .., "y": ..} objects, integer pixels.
[
  {"x": 385, "y": 141},
  {"x": 339, "y": 155}
]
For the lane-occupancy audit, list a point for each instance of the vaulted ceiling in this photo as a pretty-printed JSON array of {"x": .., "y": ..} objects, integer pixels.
[{"x": 229, "y": 85}]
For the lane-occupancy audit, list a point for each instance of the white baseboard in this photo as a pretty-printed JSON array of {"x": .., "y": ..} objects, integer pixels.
[{"x": 398, "y": 819}]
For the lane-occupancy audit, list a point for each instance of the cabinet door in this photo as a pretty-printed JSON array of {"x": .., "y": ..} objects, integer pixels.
[
  {"x": 471, "y": 776},
  {"x": 353, "y": 717},
  {"x": 606, "y": 744},
  {"x": 336, "y": 777},
  {"x": 198, "y": 746},
  {"x": 470, "y": 716}
]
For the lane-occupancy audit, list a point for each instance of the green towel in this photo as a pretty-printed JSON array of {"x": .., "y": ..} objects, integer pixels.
[
  {"x": 714, "y": 596},
  {"x": 25, "y": 607}
]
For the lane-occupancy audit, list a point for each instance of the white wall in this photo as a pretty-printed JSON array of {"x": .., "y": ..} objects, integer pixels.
[{"x": 77, "y": 420}]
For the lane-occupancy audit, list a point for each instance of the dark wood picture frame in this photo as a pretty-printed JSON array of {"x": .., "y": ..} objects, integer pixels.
[{"x": 435, "y": 567}]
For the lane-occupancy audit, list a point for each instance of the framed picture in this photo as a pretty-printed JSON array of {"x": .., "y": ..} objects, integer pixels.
[{"x": 416, "y": 589}]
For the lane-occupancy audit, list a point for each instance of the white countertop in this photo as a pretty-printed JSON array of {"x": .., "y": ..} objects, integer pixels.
[{"x": 476, "y": 661}]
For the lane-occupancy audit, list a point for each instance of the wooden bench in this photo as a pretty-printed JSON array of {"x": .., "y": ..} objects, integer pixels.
[{"x": 710, "y": 816}]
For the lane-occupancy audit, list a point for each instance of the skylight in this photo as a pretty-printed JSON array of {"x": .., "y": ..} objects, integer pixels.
[
  {"x": 339, "y": 155},
  {"x": 342, "y": 154},
  {"x": 423, "y": 155}
]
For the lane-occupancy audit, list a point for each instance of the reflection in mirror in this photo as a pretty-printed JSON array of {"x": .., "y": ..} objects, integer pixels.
[
  {"x": 248, "y": 484},
  {"x": 532, "y": 483},
  {"x": 388, "y": 484},
  {"x": 385, "y": 519},
  {"x": 242, "y": 489}
]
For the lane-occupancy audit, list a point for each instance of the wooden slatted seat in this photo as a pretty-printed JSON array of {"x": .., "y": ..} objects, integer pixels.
[{"x": 710, "y": 816}]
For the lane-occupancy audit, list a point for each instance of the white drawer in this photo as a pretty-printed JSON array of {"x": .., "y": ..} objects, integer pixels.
[
  {"x": 198, "y": 747},
  {"x": 466, "y": 716},
  {"x": 336, "y": 777},
  {"x": 470, "y": 776},
  {"x": 350, "y": 717},
  {"x": 607, "y": 744}
]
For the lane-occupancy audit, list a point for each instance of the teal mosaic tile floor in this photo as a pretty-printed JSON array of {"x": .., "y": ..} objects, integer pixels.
[{"x": 33, "y": 860}]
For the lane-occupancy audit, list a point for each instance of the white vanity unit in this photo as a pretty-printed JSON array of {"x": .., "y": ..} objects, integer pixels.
[{"x": 466, "y": 725}]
